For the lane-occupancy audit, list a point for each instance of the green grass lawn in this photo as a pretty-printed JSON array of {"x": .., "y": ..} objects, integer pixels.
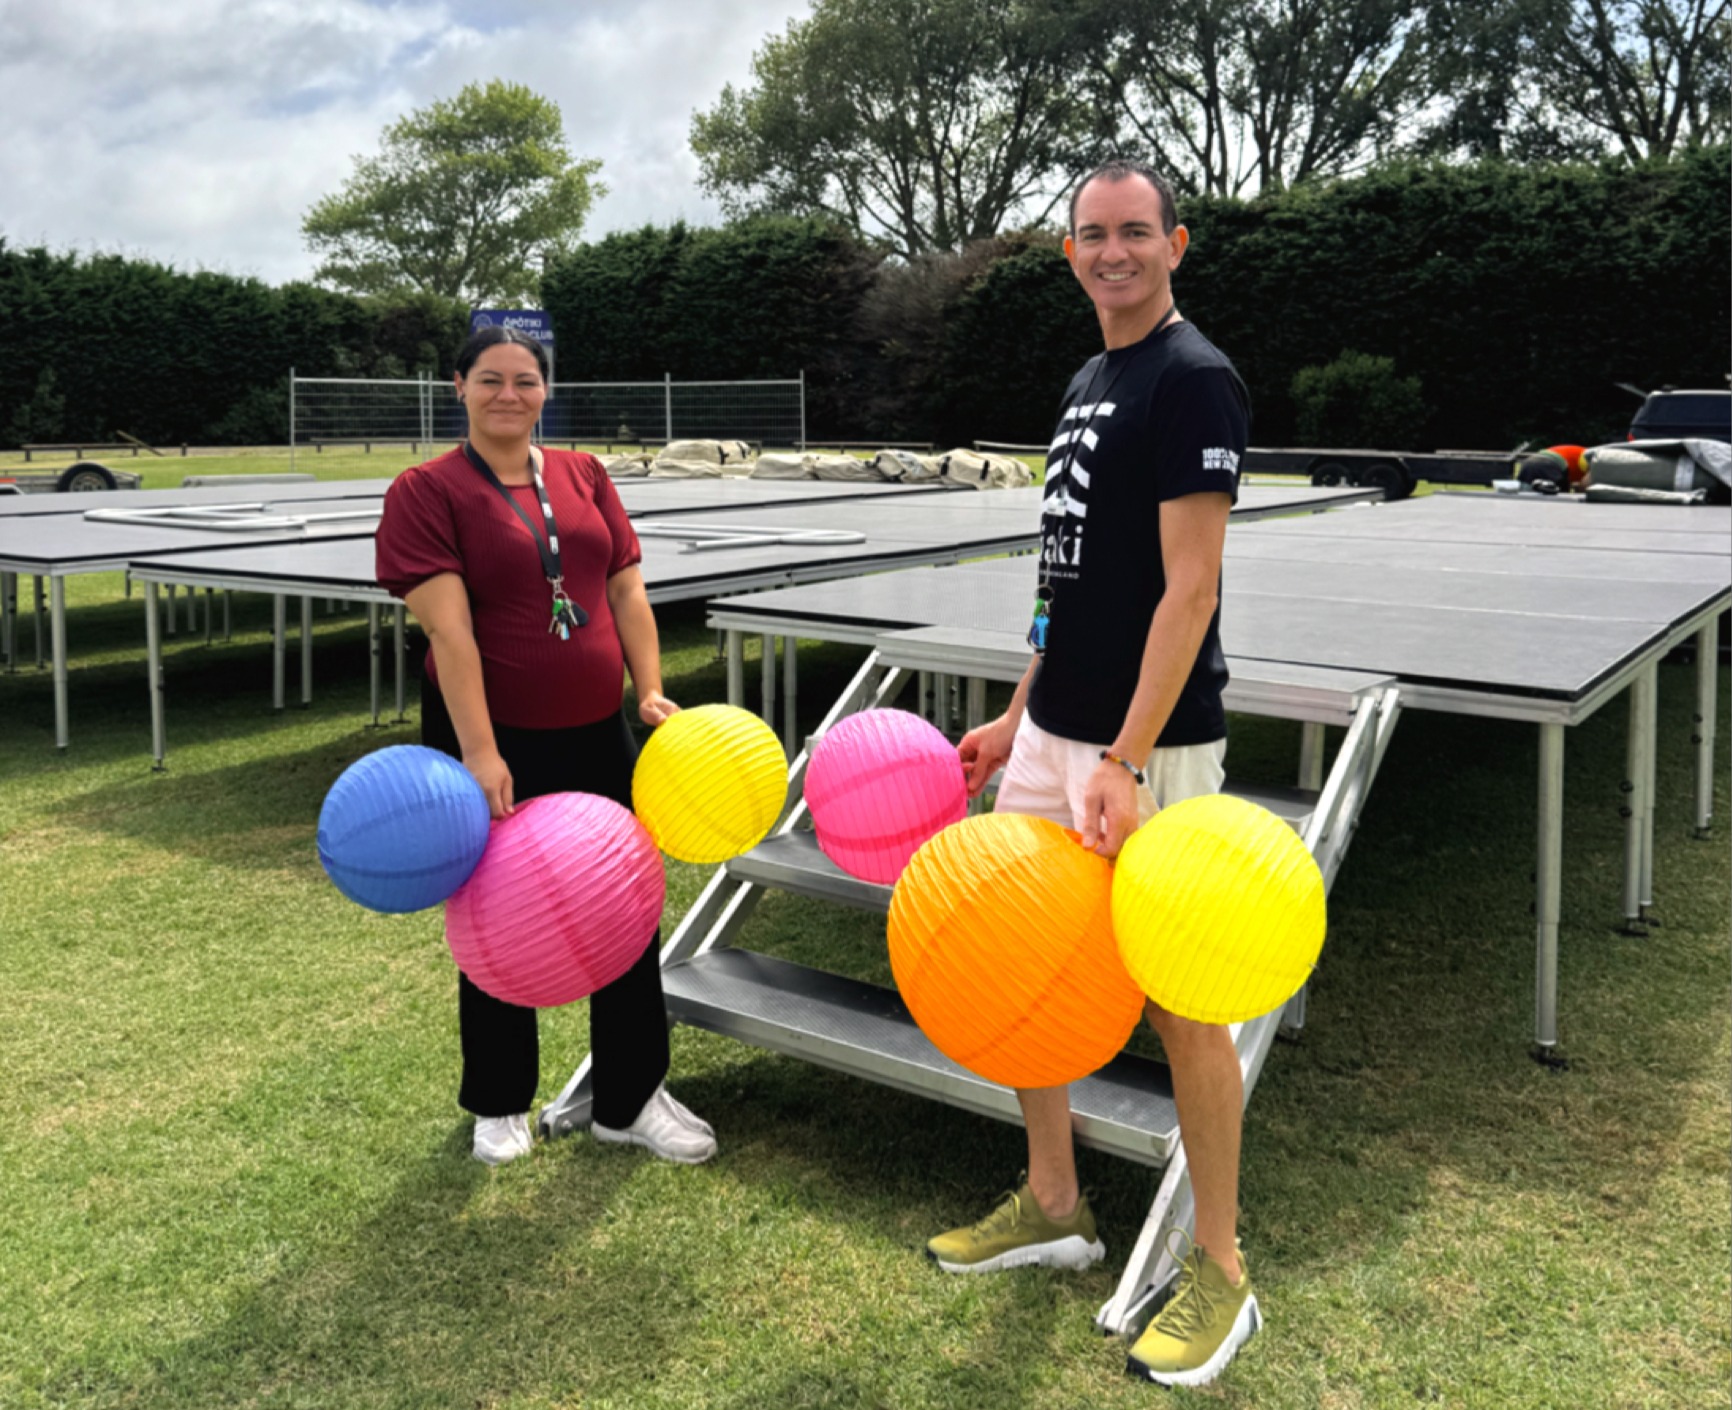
[{"x": 235, "y": 1173}]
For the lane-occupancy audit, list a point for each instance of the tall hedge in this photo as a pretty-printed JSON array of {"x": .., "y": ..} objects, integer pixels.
[
  {"x": 135, "y": 346},
  {"x": 1515, "y": 296},
  {"x": 763, "y": 298},
  {"x": 1518, "y": 296}
]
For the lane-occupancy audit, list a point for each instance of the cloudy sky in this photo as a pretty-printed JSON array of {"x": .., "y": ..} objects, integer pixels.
[{"x": 197, "y": 132}]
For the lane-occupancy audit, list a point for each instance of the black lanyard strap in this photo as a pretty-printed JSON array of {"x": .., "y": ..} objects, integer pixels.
[
  {"x": 548, "y": 549},
  {"x": 566, "y": 613}
]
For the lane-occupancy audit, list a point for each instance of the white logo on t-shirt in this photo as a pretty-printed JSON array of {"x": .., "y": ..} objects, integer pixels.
[
  {"x": 1067, "y": 484},
  {"x": 1219, "y": 458}
]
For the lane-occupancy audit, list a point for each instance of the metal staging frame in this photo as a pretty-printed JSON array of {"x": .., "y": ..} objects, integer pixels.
[
  {"x": 46, "y": 538},
  {"x": 1270, "y": 614},
  {"x": 863, "y": 1030},
  {"x": 838, "y": 535}
]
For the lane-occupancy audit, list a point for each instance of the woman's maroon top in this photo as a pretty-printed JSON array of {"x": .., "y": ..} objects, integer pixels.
[{"x": 444, "y": 517}]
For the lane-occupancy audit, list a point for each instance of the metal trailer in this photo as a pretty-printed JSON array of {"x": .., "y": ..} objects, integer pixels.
[
  {"x": 1395, "y": 472},
  {"x": 80, "y": 476}
]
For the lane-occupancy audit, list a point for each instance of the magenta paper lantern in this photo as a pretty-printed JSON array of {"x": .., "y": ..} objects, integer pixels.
[
  {"x": 880, "y": 784},
  {"x": 566, "y": 897}
]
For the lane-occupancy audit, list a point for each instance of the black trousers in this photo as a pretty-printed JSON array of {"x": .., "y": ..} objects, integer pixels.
[{"x": 628, "y": 1020}]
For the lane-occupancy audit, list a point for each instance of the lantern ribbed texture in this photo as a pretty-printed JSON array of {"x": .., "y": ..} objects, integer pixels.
[
  {"x": 881, "y": 783},
  {"x": 566, "y": 897},
  {"x": 402, "y": 828},
  {"x": 1001, "y": 944},
  {"x": 710, "y": 783},
  {"x": 1219, "y": 909}
]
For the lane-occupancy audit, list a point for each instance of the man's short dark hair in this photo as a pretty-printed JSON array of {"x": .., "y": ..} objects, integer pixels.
[{"x": 1117, "y": 170}]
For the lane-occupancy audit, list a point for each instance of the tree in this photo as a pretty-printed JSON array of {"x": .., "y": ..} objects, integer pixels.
[
  {"x": 467, "y": 200},
  {"x": 928, "y": 123},
  {"x": 1241, "y": 96},
  {"x": 1650, "y": 75},
  {"x": 1567, "y": 78}
]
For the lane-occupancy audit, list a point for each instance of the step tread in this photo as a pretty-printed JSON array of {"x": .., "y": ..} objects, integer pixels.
[
  {"x": 867, "y": 1029},
  {"x": 794, "y": 862}
]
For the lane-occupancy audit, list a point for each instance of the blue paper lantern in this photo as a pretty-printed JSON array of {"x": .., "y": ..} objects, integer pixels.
[{"x": 402, "y": 828}]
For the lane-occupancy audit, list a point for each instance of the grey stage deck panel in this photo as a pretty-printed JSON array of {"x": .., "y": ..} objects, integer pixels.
[
  {"x": 35, "y": 505},
  {"x": 1270, "y": 613},
  {"x": 1553, "y": 658},
  {"x": 897, "y": 528},
  {"x": 1574, "y": 512},
  {"x": 643, "y": 497},
  {"x": 1407, "y": 523},
  {"x": 995, "y": 596},
  {"x": 1374, "y": 556},
  {"x": 341, "y": 564},
  {"x": 892, "y": 534},
  {"x": 60, "y": 544},
  {"x": 1599, "y": 599}
]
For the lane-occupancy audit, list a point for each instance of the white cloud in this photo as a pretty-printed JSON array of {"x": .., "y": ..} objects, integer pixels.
[{"x": 198, "y": 132}]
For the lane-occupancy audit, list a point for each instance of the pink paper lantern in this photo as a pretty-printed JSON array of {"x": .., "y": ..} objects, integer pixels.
[
  {"x": 566, "y": 897},
  {"x": 880, "y": 784}
]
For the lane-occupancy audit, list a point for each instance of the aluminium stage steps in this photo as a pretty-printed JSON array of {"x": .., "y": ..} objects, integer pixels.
[{"x": 866, "y": 1031}]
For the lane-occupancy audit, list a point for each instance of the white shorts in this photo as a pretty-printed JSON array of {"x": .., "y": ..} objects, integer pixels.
[{"x": 1047, "y": 776}]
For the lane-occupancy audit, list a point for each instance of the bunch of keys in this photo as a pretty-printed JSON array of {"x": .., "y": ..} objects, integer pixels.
[
  {"x": 567, "y": 615},
  {"x": 1042, "y": 619}
]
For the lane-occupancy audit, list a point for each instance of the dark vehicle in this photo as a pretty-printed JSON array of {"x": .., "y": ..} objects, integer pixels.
[{"x": 1668, "y": 415}]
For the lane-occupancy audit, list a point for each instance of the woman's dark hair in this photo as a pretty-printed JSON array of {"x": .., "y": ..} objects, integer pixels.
[{"x": 484, "y": 338}]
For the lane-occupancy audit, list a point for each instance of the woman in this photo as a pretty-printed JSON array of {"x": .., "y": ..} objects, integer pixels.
[{"x": 521, "y": 566}]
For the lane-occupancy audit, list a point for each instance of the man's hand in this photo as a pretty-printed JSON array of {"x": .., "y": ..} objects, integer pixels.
[
  {"x": 985, "y": 750},
  {"x": 1109, "y": 808},
  {"x": 655, "y": 707},
  {"x": 491, "y": 773}
]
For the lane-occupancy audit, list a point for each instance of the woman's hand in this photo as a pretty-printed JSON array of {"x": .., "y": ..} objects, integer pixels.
[
  {"x": 986, "y": 750},
  {"x": 491, "y": 773},
  {"x": 655, "y": 707}
]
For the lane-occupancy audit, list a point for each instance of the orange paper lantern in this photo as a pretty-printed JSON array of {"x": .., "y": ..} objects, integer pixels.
[{"x": 1002, "y": 945}]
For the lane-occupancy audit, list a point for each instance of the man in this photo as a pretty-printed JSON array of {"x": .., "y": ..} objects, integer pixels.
[{"x": 1120, "y": 713}]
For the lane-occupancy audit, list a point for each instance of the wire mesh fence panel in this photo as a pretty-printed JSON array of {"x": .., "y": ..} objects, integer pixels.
[
  {"x": 340, "y": 410},
  {"x": 604, "y": 413},
  {"x": 770, "y": 413},
  {"x": 354, "y": 411}
]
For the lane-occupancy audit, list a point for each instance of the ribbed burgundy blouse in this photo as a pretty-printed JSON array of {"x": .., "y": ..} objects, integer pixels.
[{"x": 443, "y": 517}]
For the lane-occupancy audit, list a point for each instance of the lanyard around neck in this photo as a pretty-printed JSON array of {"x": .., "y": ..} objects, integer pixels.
[
  {"x": 567, "y": 615},
  {"x": 548, "y": 548},
  {"x": 1137, "y": 347}
]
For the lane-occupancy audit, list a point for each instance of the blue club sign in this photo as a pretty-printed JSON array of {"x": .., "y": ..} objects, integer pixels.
[{"x": 537, "y": 322}]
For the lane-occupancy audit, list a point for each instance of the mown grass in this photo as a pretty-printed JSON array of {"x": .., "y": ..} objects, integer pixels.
[{"x": 235, "y": 1174}]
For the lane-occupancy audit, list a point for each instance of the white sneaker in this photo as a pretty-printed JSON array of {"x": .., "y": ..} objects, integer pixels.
[
  {"x": 502, "y": 1138},
  {"x": 666, "y": 1129}
]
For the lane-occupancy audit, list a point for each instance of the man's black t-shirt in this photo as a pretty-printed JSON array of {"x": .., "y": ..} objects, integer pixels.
[{"x": 1140, "y": 425}]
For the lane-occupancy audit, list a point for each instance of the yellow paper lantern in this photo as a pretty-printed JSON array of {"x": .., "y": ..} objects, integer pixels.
[
  {"x": 710, "y": 783},
  {"x": 1219, "y": 909},
  {"x": 1001, "y": 943}
]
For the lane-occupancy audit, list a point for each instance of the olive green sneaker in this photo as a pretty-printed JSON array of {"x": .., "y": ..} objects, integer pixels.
[
  {"x": 1018, "y": 1233},
  {"x": 1201, "y": 1328}
]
